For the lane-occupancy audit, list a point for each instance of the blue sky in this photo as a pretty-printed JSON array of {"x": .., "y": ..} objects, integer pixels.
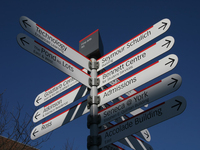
[{"x": 24, "y": 76}]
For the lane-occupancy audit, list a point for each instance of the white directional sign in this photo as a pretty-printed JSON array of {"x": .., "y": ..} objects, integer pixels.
[
  {"x": 134, "y": 43},
  {"x": 137, "y": 60},
  {"x": 141, "y": 98},
  {"x": 143, "y": 133},
  {"x": 131, "y": 141},
  {"x": 42, "y": 34},
  {"x": 53, "y": 59},
  {"x": 55, "y": 90},
  {"x": 146, "y": 119},
  {"x": 69, "y": 115},
  {"x": 60, "y": 103},
  {"x": 160, "y": 67}
]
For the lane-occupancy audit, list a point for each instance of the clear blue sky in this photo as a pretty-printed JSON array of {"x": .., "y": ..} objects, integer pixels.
[{"x": 24, "y": 76}]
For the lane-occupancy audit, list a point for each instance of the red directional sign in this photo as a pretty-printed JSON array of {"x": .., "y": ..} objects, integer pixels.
[
  {"x": 42, "y": 34},
  {"x": 146, "y": 119}
]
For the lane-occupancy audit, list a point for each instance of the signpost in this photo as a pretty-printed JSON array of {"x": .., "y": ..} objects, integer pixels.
[
  {"x": 92, "y": 47},
  {"x": 146, "y": 119},
  {"x": 52, "y": 58},
  {"x": 137, "y": 60},
  {"x": 42, "y": 34}
]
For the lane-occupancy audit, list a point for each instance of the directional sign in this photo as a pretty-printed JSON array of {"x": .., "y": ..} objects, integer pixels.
[
  {"x": 141, "y": 98},
  {"x": 134, "y": 43},
  {"x": 146, "y": 119},
  {"x": 131, "y": 141},
  {"x": 52, "y": 58},
  {"x": 60, "y": 103},
  {"x": 42, "y": 34},
  {"x": 137, "y": 60},
  {"x": 144, "y": 133},
  {"x": 160, "y": 67},
  {"x": 55, "y": 90},
  {"x": 60, "y": 120}
]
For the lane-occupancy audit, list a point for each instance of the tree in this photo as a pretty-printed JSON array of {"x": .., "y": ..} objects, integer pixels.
[
  {"x": 68, "y": 145},
  {"x": 17, "y": 127}
]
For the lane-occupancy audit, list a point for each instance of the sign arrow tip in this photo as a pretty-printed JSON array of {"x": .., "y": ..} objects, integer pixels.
[
  {"x": 34, "y": 132},
  {"x": 168, "y": 43},
  {"x": 179, "y": 104},
  {"x": 23, "y": 41},
  {"x": 172, "y": 61},
  {"x": 38, "y": 99},
  {"x": 37, "y": 114},
  {"x": 164, "y": 25},
  {"x": 25, "y": 23},
  {"x": 175, "y": 82}
]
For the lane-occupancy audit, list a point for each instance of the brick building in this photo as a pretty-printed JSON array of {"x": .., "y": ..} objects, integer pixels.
[{"x": 8, "y": 144}]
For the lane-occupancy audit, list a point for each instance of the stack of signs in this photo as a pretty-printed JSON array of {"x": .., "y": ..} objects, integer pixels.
[{"x": 125, "y": 126}]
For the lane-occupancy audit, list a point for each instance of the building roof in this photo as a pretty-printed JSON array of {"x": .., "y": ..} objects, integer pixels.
[{"x": 6, "y": 143}]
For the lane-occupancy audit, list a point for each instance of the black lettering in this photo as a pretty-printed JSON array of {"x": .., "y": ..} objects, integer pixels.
[
  {"x": 120, "y": 86},
  {"x": 46, "y": 125},
  {"x": 119, "y": 129},
  {"x": 49, "y": 38},
  {"x": 138, "y": 39},
  {"x": 68, "y": 66},
  {"x": 148, "y": 115}
]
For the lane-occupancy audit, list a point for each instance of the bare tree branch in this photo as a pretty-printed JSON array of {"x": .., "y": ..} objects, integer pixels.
[{"x": 17, "y": 126}]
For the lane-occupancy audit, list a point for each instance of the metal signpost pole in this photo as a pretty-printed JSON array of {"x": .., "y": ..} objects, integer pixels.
[
  {"x": 93, "y": 140},
  {"x": 91, "y": 46}
]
